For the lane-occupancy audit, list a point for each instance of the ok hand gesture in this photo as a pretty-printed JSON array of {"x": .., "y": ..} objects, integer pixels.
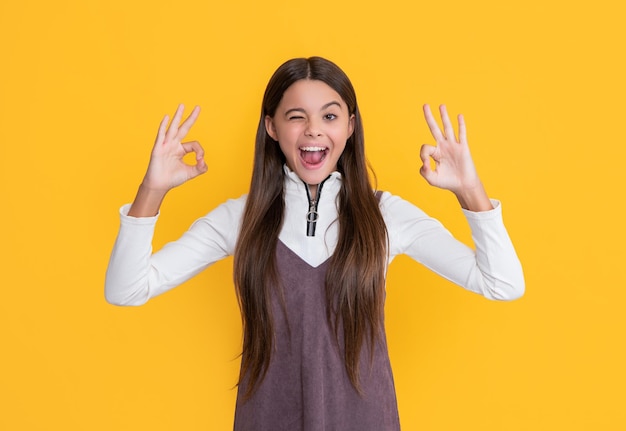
[
  {"x": 167, "y": 168},
  {"x": 454, "y": 169}
]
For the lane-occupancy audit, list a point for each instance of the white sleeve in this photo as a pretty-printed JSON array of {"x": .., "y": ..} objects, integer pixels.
[
  {"x": 135, "y": 274},
  {"x": 492, "y": 270}
]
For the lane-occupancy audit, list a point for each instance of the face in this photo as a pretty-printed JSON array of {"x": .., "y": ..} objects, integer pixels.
[{"x": 311, "y": 125}]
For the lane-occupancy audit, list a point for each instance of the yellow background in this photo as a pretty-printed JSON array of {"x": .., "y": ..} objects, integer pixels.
[{"x": 83, "y": 86}]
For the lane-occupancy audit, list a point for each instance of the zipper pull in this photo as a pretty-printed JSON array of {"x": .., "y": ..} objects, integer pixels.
[
  {"x": 311, "y": 218},
  {"x": 312, "y": 215}
]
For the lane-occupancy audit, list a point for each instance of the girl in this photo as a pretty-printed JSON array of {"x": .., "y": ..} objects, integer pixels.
[{"x": 311, "y": 243}]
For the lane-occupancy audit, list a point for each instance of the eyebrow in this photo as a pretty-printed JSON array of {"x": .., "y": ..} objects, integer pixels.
[{"x": 326, "y": 106}]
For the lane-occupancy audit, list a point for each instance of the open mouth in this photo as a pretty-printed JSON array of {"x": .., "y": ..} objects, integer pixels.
[{"x": 313, "y": 155}]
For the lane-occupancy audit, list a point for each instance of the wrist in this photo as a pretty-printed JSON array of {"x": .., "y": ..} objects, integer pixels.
[
  {"x": 474, "y": 198},
  {"x": 146, "y": 188},
  {"x": 147, "y": 201}
]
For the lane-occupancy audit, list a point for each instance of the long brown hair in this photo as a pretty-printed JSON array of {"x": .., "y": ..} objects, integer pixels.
[{"x": 355, "y": 278}]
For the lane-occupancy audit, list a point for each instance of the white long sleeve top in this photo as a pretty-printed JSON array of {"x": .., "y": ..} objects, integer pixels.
[{"x": 135, "y": 274}]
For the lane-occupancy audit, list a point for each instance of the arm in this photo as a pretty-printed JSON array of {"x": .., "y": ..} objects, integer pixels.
[
  {"x": 131, "y": 273},
  {"x": 135, "y": 274},
  {"x": 493, "y": 270}
]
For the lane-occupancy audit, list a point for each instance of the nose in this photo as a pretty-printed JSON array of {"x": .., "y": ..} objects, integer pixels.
[{"x": 313, "y": 128}]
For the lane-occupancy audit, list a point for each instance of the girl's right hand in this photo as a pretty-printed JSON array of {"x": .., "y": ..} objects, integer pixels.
[{"x": 167, "y": 168}]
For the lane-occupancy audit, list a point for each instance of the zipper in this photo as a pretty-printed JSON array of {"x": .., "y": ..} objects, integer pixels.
[{"x": 312, "y": 215}]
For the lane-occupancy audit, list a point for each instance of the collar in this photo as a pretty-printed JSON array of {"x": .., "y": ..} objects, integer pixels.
[{"x": 293, "y": 180}]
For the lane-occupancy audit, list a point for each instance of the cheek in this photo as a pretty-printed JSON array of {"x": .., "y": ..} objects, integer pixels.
[
  {"x": 340, "y": 149},
  {"x": 287, "y": 150},
  {"x": 287, "y": 134}
]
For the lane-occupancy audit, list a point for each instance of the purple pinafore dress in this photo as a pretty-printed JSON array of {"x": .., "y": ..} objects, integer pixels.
[{"x": 306, "y": 387}]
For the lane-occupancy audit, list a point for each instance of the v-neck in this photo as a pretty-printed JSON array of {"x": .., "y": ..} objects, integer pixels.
[{"x": 294, "y": 254}]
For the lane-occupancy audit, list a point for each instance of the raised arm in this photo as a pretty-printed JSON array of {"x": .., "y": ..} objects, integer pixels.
[
  {"x": 492, "y": 268},
  {"x": 134, "y": 274}
]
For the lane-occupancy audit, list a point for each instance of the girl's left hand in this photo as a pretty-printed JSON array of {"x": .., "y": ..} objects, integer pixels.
[{"x": 454, "y": 169}]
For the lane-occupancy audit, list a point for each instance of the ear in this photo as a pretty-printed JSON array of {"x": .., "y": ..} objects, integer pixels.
[
  {"x": 270, "y": 128},
  {"x": 351, "y": 124}
]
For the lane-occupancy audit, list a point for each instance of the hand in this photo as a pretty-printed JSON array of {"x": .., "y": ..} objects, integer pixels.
[
  {"x": 454, "y": 168},
  {"x": 167, "y": 168}
]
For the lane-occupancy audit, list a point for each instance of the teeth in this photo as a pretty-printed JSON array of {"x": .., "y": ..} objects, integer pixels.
[{"x": 312, "y": 148}]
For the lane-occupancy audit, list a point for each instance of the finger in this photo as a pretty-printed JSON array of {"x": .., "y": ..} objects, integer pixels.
[
  {"x": 432, "y": 124},
  {"x": 428, "y": 173},
  {"x": 448, "y": 130},
  {"x": 462, "y": 130},
  {"x": 194, "y": 170},
  {"x": 160, "y": 137},
  {"x": 193, "y": 147},
  {"x": 173, "y": 129},
  {"x": 427, "y": 154},
  {"x": 200, "y": 167},
  {"x": 184, "y": 128}
]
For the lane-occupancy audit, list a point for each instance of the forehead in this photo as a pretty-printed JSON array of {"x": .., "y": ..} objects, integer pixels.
[{"x": 311, "y": 94}]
